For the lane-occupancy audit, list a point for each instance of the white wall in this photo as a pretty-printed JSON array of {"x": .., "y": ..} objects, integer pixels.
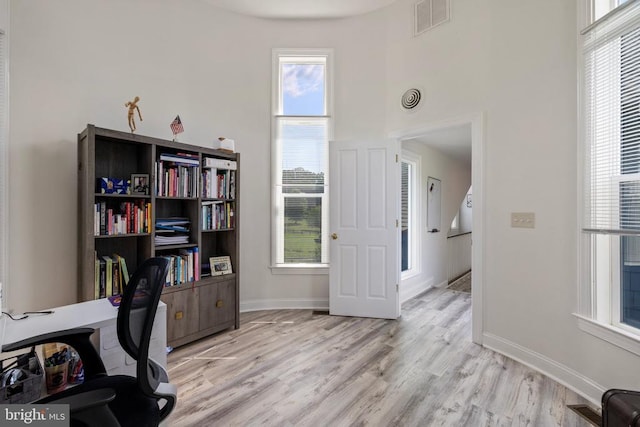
[
  {"x": 516, "y": 62},
  {"x": 77, "y": 61},
  {"x": 4, "y": 14},
  {"x": 455, "y": 177}
]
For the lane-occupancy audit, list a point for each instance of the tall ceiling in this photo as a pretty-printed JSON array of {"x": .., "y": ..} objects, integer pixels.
[{"x": 301, "y": 9}]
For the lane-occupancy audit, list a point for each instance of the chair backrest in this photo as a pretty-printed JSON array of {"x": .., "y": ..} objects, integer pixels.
[{"x": 135, "y": 322}]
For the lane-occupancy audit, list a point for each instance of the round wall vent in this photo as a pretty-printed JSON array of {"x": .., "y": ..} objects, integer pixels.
[{"x": 411, "y": 99}]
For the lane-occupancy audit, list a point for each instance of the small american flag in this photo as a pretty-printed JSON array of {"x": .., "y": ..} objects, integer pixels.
[{"x": 176, "y": 126}]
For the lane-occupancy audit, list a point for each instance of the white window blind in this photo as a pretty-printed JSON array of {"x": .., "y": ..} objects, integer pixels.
[{"x": 612, "y": 123}]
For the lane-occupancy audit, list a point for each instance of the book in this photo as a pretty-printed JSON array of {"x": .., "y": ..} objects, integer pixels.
[
  {"x": 211, "y": 162},
  {"x": 123, "y": 271},
  {"x": 103, "y": 279},
  {"x": 196, "y": 263},
  {"x": 97, "y": 276},
  {"x": 108, "y": 275},
  {"x": 115, "y": 284},
  {"x": 176, "y": 158}
]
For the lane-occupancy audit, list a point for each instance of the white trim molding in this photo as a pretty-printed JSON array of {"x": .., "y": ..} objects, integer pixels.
[
  {"x": 284, "y": 304},
  {"x": 556, "y": 371},
  {"x": 410, "y": 291},
  {"x": 616, "y": 336}
]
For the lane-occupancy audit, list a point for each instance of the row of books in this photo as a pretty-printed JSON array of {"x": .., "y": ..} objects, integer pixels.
[
  {"x": 220, "y": 184},
  {"x": 128, "y": 218},
  {"x": 111, "y": 275},
  {"x": 172, "y": 231},
  {"x": 177, "y": 175},
  {"x": 182, "y": 267},
  {"x": 217, "y": 215}
]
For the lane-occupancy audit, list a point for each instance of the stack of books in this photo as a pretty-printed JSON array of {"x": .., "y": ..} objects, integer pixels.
[{"x": 172, "y": 231}]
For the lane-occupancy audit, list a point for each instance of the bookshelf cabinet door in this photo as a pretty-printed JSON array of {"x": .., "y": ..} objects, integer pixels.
[
  {"x": 217, "y": 304},
  {"x": 182, "y": 313}
]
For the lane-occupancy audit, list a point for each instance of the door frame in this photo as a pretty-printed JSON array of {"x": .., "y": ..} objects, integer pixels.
[{"x": 476, "y": 120}]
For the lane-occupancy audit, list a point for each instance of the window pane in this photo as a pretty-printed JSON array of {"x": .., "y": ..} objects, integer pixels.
[
  {"x": 304, "y": 151},
  {"x": 302, "y": 229},
  {"x": 404, "y": 207},
  {"x": 303, "y": 89},
  {"x": 630, "y": 295}
]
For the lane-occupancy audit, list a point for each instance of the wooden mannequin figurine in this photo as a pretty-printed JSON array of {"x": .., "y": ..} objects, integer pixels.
[{"x": 133, "y": 105}]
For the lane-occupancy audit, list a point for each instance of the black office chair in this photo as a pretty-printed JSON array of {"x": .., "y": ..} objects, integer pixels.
[
  {"x": 620, "y": 408},
  {"x": 119, "y": 400}
]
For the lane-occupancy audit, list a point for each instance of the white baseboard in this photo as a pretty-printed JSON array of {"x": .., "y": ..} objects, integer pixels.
[
  {"x": 408, "y": 291},
  {"x": 554, "y": 370},
  {"x": 442, "y": 284},
  {"x": 284, "y": 304}
]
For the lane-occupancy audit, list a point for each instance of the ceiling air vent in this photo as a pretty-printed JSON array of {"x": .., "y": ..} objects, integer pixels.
[
  {"x": 430, "y": 13},
  {"x": 411, "y": 99}
]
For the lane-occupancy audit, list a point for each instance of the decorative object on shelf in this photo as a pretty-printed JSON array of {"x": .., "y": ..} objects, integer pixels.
[
  {"x": 220, "y": 265},
  {"x": 140, "y": 183},
  {"x": 176, "y": 127},
  {"x": 225, "y": 144},
  {"x": 113, "y": 186},
  {"x": 133, "y": 106},
  {"x": 468, "y": 200}
]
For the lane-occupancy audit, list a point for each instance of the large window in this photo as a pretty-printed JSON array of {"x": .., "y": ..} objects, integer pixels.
[
  {"x": 301, "y": 131},
  {"x": 610, "y": 137}
]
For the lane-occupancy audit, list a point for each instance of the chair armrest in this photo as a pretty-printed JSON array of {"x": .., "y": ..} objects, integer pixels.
[
  {"x": 91, "y": 407},
  {"x": 78, "y": 338}
]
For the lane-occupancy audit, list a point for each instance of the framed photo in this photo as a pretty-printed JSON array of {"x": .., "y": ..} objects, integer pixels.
[
  {"x": 433, "y": 204},
  {"x": 220, "y": 265},
  {"x": 140, "y": 183}
]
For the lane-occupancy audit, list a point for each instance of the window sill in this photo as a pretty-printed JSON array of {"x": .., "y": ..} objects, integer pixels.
[
  {"x": 616, "y": 336},
  {"x": 309, "y": 269}
]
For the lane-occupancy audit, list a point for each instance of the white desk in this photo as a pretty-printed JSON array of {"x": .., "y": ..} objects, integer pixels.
[{"x": 98, "y": 314}]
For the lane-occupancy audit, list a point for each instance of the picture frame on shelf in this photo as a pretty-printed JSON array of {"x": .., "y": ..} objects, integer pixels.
[
  {"x": 220, "y": 265},
  {"x": 140, "y": 183}
]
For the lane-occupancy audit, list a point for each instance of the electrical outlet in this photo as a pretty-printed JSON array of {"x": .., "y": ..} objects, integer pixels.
[{"x": 523, "y": 219}]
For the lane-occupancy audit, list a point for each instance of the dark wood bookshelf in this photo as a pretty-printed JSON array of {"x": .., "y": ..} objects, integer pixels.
[{"x": 195, "y": 309}]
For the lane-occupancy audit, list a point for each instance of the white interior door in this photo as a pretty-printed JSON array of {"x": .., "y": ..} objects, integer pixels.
[{"x": 364, "y": 195}]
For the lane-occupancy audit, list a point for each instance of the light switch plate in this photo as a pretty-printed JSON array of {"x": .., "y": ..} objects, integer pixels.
[{"x": 523, "y": 219}]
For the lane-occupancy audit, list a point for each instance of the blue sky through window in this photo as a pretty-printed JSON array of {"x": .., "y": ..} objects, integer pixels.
[{"x": 303, "y": 89}]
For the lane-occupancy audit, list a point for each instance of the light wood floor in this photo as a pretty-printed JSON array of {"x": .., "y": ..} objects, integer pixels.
[{"x": 300, "y": 368}]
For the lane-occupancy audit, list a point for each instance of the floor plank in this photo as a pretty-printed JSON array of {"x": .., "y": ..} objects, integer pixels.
[{"x": 300, "y": 368}]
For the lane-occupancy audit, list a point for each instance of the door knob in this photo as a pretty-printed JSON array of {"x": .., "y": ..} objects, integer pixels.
[{"x": 334, "y": 236}]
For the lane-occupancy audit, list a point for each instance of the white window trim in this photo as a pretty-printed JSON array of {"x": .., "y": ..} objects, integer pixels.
[
  {"x": 416, "y": 212},
  {"x": 305, "y": 269},
  {"x": 588, "y": 320},
  {"x": 4, "y": 178}
]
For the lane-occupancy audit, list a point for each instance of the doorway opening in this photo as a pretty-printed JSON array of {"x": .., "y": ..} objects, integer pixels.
[{"x": 434, "y": 267}]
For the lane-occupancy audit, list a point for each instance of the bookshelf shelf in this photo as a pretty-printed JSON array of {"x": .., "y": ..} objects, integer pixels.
[
  {"x": 123, "y": 196},
  {"x": 172, "y": 247},
  {"x": 120, "y": 236},
  {"x": 198, "y": 304}
]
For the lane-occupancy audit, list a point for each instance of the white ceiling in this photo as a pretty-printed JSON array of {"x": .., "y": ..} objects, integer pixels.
[
  {"x": 301, "y": 9},
  {"x": 453, "y": 141}
]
